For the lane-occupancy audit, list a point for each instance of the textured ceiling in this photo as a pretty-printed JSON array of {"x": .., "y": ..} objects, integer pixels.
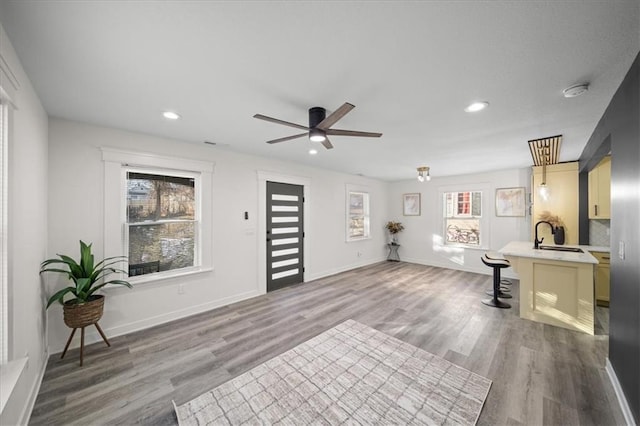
[{"x": 409, "y": 67}]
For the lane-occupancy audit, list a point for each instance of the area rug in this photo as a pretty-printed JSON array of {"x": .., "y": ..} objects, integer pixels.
[{"x": 350, "y": 374}]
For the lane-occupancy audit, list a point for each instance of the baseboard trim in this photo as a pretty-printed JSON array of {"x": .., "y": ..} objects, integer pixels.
[
  {"x": 624, "y": 405},
  {"x": 482, "y": 271},
  {"x": 35, "y": 389},
  {"x": 323, "y": 274},
  {"x": 92, "y": 335}
]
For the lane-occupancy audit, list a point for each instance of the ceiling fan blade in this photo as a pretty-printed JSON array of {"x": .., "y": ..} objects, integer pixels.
[
  {"x": 337, "y": 115},
  {"x": 338, "y": 132},
  {"x": 284, "y": 123},
  {"x": 327, "y": 144},
  {"x": 288, "y": 138}
]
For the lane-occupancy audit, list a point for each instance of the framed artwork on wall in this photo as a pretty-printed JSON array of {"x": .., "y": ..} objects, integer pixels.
[
  {"x": 411, "y": 204},
  {"x": 510, "y": 202}
]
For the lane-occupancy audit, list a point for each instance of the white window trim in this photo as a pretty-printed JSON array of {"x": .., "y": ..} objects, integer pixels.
[
  {"x": 349, "y": 188},
  {"x": 115, "y": 162},
  {"x": 485, "y": 223},
  {"x": 10, "y": 369},
  {"x": 4, "y": 229}
]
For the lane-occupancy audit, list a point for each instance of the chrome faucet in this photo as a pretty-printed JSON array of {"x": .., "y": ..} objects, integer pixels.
[{"x": 536, "y": 243}]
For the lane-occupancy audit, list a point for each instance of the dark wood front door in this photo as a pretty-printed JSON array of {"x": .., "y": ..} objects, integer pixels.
[{"x": 285, "y": 235}]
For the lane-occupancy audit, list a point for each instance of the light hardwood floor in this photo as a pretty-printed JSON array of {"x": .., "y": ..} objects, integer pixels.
[{"x": 541, "y": 374}]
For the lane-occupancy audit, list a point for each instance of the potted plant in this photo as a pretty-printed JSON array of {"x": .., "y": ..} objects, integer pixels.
[
  {"x": 394, "y": 228},
  {"x": 88, "y": 277}
]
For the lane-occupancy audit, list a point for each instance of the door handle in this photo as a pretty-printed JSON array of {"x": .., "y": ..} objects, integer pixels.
[{"x": 596, "y": 208}]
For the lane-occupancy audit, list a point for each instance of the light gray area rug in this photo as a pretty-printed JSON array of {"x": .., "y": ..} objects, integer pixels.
[{"x": 350, "y": 374}]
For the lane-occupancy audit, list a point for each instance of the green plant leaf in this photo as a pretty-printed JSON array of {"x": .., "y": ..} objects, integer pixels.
[
  {"x": 73, "y": 266},
  {"x": 84, "y": 284},
  {"x": 59, "y": 296},
  {"x": 62, "y": 271},
  {"x": 114, "y": 282},
  {"x": 86, "y": 258},
  {"x": 111, "y": 260}
]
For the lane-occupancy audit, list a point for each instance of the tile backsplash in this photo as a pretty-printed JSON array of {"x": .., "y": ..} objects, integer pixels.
[{"x": 599, "y": 232}]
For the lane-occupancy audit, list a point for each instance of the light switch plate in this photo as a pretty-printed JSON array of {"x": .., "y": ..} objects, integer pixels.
[{"x": 621, "y": 250}]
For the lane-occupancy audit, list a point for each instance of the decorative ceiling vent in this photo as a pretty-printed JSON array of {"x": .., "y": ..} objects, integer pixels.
[{"x": 545, "y": 151}]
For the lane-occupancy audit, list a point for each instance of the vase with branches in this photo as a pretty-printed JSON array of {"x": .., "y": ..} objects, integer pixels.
[
  {"x": 394, "y": 228},
  {"x": 557, "y": 224}
]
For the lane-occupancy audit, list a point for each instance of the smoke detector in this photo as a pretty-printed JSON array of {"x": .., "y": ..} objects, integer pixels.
[{"x": 575, "y": 90}]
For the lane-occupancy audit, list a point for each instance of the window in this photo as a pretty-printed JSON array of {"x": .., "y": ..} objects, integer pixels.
[
  {"x": 162, "y": 221},
  {"x": 462, "y": 217},
  {"x": 357, "y": 216},
  {"x": 159, "y": 213}
]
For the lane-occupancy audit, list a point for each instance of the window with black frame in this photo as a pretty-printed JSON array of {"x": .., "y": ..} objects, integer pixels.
[{"x": 162, "y": 221}]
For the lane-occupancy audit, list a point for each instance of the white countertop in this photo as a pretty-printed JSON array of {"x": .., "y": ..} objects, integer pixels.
[
  {"x": 525, "y": 249},
  {"x": 602, "y": 249}
]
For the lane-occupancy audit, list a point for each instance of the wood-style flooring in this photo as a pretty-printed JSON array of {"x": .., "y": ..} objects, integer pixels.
[{"x": 541, "y": 374}]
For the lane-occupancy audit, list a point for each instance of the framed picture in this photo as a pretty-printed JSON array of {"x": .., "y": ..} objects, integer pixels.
[
  {"x": 411, "y": 204},
  {"x": 510, "y": 202}
]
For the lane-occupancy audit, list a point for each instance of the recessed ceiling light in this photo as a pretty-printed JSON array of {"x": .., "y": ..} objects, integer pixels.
[
  {"x": 575, "y": 90},
  {"x": 476, "y": 106},
  {"x": 171, "y": 115},
  {"x": 313, "y": 151}
]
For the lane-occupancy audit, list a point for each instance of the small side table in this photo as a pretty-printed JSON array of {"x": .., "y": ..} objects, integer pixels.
[{"x": 393, "y": 252}]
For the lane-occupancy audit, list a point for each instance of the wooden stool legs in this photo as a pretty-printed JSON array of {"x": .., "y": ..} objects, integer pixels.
[{"x": 82, "y": 341}]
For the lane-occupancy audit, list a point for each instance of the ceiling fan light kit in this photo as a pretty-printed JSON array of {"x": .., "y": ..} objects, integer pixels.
[
  {"x": 319, "y": 126},
  {"x": 317, "y": 135}
]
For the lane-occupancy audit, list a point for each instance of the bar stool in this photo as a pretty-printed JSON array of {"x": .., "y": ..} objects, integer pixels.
[
  {"x": 496, "y": 264},
  {"x": 494, "y": 255}
]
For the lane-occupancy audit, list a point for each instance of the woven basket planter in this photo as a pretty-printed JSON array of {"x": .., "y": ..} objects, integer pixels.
[{"x": 83, "y": 314}]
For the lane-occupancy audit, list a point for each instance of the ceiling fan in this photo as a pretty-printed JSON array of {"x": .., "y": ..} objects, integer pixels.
[{"x": 320, "y": 126}]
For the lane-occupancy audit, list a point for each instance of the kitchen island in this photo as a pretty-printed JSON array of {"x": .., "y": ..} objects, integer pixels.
[{"x": 556, "y": 287}]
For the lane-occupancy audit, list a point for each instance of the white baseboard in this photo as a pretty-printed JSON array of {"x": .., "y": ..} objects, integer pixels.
[
  {"x": 448, "y": 265},
  {"x": 92, "y": 335},
  {"x": 624, "y": 405},
  {"x": 328, "y": 273},
  {"x": 33, "y": 393}
]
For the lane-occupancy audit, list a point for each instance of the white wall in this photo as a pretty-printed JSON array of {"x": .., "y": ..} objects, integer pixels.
[
  {"x": 76, "y": 212},
  {"x": 420, "y": 241},
  {"x": 27, "y": 243}
]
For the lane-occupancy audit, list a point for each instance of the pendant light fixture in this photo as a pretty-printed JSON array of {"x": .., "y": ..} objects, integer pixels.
[
  {"x": 423, "y": 174},
  {"x": 543, "y": 189}
]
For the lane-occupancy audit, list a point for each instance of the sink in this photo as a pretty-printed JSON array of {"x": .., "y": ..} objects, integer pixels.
[{"x": 557, "y": 248}]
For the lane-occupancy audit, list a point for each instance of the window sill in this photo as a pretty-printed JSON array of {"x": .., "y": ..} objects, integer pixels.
[
  {"x": 9, "y": 375},
  {"x": 463, "y": 246},
  {"x": 162, "y": 276},
  {"x": 353, "y": 240}
]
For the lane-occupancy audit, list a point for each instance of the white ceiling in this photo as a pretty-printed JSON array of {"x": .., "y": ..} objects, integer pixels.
[{"x": 409, "y": 67}]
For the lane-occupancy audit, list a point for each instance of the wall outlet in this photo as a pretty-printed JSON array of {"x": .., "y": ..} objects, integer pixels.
[
  {"x": 180, "y": 288},
  {"x": 359, "y": 254}
]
